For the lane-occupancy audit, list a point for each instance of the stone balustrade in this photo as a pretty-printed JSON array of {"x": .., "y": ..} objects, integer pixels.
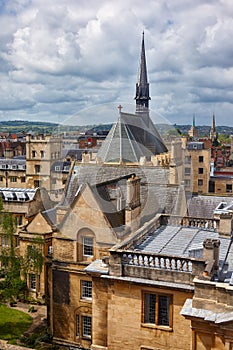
[
  {"x": 157, "y": 261},
  {"x": 190, "y": 221}
]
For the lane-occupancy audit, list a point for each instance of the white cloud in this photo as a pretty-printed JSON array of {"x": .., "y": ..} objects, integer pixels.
[{"x": 60, "y": 57}]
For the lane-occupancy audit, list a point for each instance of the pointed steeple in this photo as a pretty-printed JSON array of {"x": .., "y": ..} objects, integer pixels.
[
  {"x": 142, "y": 86},
  {"x": 213, "y": 123},
  {"x": 193, "y": 130},
  {"x": 194, "y": 121},
  {"x": 213, "y": 133}
]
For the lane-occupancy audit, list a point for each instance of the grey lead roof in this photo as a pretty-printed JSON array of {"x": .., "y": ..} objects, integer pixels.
[
  {"x": 204, "y": 206},
  {"x": 181, "y": 241},
  {"x": 133, "y": 136}
]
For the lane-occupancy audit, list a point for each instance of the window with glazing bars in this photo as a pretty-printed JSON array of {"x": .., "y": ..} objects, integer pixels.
[
  {"x": 88, "y": 246},
  {"x": 86, "y": 289},
  {"x": 32, "y": 281},
  {"x": 86, "y": 326},
  {"x": 156, "y": 309}
]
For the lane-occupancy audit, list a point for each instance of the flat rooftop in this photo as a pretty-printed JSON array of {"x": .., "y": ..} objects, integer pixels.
[{"x": 186, "y": 242}]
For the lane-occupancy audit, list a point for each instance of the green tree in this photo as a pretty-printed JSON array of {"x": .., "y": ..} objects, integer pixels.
[
  {"x": 14, "y": 267},
  {"x": 224, "y": 139},
  {"x": 12, "y": 285},
  {"x": 33, "y": 261}
]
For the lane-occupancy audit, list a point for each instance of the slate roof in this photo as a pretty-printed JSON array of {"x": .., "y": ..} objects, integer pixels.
[
  {"x": 183, "y": 241},
  {"x": 61, "y": 166},
  {"x": 130, "y": 138},
  {"x": 50, "y": 216},
  {"x": 13, "y": 163},
  {"x": 156, "y": 193},
  {"x": 17, "y": 194},
  {"x": 204, "y": 206}
]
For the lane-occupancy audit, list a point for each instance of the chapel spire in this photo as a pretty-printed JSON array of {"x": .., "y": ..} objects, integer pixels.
[
  {"x": 194, "y": 121},
  {"x": 142, "y": 86},
  {"x": 213, "y": 133}
]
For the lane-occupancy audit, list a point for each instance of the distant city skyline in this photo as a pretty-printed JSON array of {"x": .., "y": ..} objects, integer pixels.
[{"x": 78, "y": 60}]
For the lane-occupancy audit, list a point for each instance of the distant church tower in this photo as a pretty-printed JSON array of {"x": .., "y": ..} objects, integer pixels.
[
  {"x": 213, "y": 133},
  {"x": 142, "y": 86},
  {"x": 193, "y": 130}
]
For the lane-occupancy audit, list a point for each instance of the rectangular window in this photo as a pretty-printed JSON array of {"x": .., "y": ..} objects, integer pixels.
[
  {"x": 156, "y": 309},
  {"x": 88, "y": 246},
  {"x": 36, "y": 183},
  {"x": 200, "y": 182},
  {"x": 42, "y": 154},
  {"x": 163, "y": 310},
  {"x": 5, "y": 241},
  {"x": 149, "y": 308},
  {"x": 187, "y": 171},
  {"x": 200, "y": 171},
  {"x": 23, "y": 179},
  {"x": 86, "y": 326},
  {"x": 19, "y": 220},
  {"x": 201, "y": 159},
  {"x": 50, "y": 250},
  {"x": 228, "y": 187},
  {"x": 86, "y": 289},
  {"x": 1, "y": 178},
  {"x": 13, "y": 179},
  {"x": 187, "y": 183},
  {"x": 33, "y": 154},
  {"x": 37, "y": 169},
  {"x": 187, "y": 159},
  {"x": 32, "y": 281}
]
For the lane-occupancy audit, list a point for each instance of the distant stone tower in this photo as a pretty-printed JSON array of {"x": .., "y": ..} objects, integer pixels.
[
  {"x": 213, "y": 133},
  {"x": 193, "y": 130},
  {"x": 41, "y": 152}
]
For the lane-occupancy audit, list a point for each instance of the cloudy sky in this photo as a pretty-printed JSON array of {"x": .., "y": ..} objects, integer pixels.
[{"x": 64, "y": 59}]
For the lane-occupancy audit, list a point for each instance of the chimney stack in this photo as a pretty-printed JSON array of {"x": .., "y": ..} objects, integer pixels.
[
  {"x": 133, "y": 205},
  {"x": 211, "y": 254}
]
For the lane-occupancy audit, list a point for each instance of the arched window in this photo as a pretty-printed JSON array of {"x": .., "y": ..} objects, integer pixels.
[{"x": 85, "y": 245}]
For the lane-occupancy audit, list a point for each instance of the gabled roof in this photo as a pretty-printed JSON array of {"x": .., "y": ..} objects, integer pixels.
[
  {"x": 156, "y": 193},
  {"x": 39, "y": 225},
  {"x": 133, "y": 136},
  {"x": 86, "y": 212}
]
